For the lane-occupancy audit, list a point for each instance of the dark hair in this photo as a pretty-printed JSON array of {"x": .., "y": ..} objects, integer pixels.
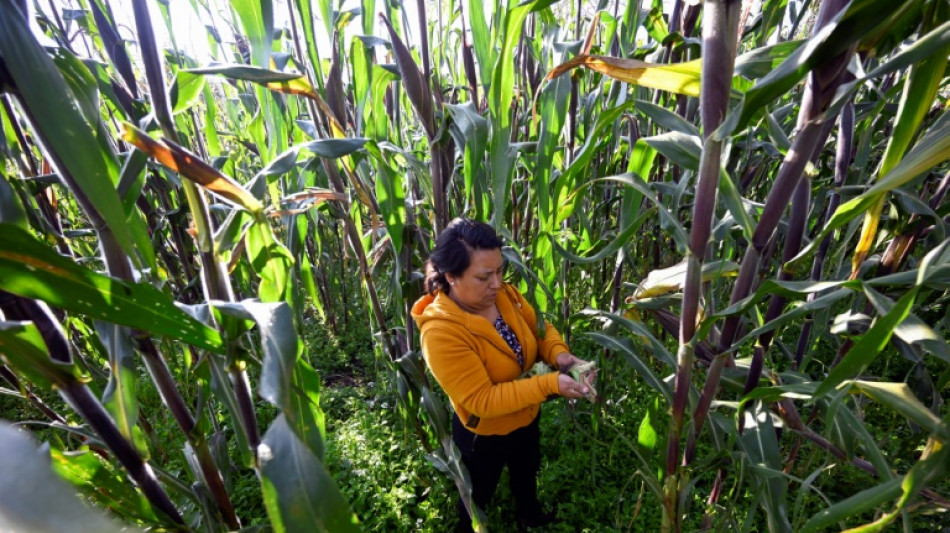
[{"x": 453, "y": 251}]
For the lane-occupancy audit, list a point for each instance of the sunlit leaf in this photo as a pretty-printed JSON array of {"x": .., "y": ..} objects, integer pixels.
[
  {"x": 40, "y": 501},
  {"x": 679, "y": 78},
  {"x": 863, "y": 352},
  {"x": 900, "y": 398},
  {"x": 299, "y": 493},
  {"x": 32, "y": 270},
  {"x": 193, "y": 168},
  {"x": 671, "y": 279}
]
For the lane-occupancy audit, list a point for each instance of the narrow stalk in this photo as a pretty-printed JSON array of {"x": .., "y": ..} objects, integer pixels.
[
  {"x": 61, "y": 27},
  {"x": 719, "y": 30},
  {"x": 424, "y": 40},
  {"x": 353, "y": 237},
  {"x": 87, "y": 405},
  {"x": 797, "y": 224},
  {"x": 720, "y": 27},
  {"x": 842, "y": 161}
]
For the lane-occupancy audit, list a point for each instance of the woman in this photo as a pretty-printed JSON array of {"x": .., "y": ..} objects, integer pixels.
[{"x": 478, "y": 338}]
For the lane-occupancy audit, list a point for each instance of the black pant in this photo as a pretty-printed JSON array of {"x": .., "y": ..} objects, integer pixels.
[{"x": 486, "y": 455}]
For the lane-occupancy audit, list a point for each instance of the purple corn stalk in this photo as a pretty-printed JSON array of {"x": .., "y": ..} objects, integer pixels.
[
  {"x": 842, "y": 160},
  {"x": 819, "y": 91},
  {"x": 797, "y": 224},
  {"x": 720, "y": 27}
]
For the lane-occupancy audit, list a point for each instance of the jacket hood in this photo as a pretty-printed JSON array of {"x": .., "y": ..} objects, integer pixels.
[{"x": 438, "y": 306}]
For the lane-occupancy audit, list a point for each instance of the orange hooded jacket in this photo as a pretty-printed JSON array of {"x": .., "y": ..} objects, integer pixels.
[{"x": 477, "y": 368}]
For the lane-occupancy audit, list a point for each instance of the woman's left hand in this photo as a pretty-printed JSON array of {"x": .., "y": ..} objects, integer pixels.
[{"x": 566, "y": 360}]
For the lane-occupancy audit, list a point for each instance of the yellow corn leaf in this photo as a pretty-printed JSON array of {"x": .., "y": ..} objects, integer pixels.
[
  {"x": 306, "y": 200},
  {"x": 314, "y": 194},
  {"x": 868, "y": 233},
  {"x": 299, "y": 86},
  {"x": 680, "y": 78},
  {"x": 192, "y": 167}
]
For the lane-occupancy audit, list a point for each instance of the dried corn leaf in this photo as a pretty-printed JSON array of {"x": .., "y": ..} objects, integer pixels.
[
  {"x": 192, "y": 167},
  {"x": 680, "y": 78}
]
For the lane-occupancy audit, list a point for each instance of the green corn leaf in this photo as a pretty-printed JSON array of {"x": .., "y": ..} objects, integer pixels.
[
  {"x": 305, "y": 9},
  {"x": 22, "y": 348},
  {"x": 665, "y": 118},
  {"x": 39, "y": 500},
  {"x": 299, "y": 493},
  {"x": 482, "y": 42},
  {"x": 257, "y": 20},
  {"x": 186, "y": 89},
  {"x": 500, "y": 94},
  {"x": 865, "y": 500},
  {"x": 761, "y": 448},
  {"x": 287, "y": 381},
  {"x": 931, "y": 43},
  {"x": 912, "y": 329},
  {"x": 772, "y": 14},
  {"x": 845, "y": 418},
  {"x": 648, "y": 435},
  {"x": 920, "y": 88},
  {"x": 132, "y": 179},
  {"x": 99, "y": 481},
  {"x": 667, "y": 220},
  {"x": 390, "y": 195},
  {"x": 624, "y": 347},
  {"x": 552, "y": 107},
  {"x": 306, "y": 415},
  {"x": 119, "y": 397},
  {"x": 932, "y": 149},
  {"x": 592, "y": 146},
  {"x": 901, "y": 399},
  {"x": 70, "y": 140},
  {"x": 682, "y": 149},
  {"x": 436, "y": 411},
  {"x": 224, "y": 392},
  {"x": 32, "y": 270},
  {"x": 474, "y": 129},
  {"x": 361, "y": 56},
  {"x": 796, "y": 313},
  {"x": 11, "y": 210},
  {"x": 609, "y": 249},
  {"x": 657, "y": 349},
  {"x": 848, "y": 27},
  {"x": 272, "y": 262},
  {"x": 869, "y": 345},
  {"x": 736, "y": 204}
]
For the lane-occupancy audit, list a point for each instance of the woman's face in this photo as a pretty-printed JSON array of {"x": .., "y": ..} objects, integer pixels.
[{"x": 478, "y": 286}]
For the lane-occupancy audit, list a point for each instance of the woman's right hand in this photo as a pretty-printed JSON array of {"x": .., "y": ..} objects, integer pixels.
[{"x": 569, "y": 388}]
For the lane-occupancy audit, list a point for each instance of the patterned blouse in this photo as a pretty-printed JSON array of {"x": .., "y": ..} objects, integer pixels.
[{"x": 510, "y": 338}]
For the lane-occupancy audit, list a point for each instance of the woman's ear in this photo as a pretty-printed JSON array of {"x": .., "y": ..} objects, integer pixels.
[{"x": 450, "y": 278}]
